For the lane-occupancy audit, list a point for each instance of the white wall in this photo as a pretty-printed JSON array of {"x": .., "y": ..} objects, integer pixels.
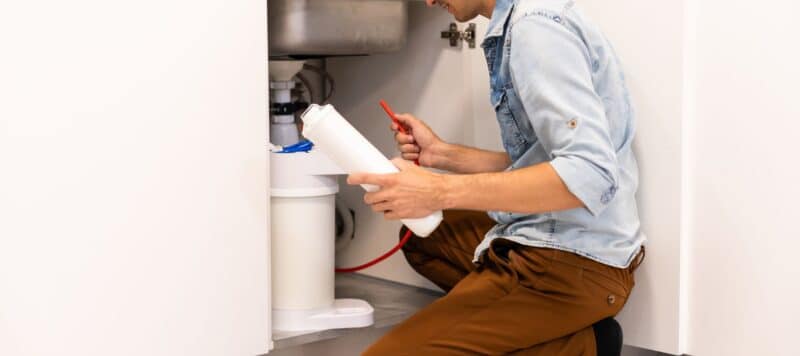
[
  {"x": 744, "y": 178},
  {"x": 428, "y": 79},
  {"x": 133, "y": 200},
  {"x": 648, "y": 37}
]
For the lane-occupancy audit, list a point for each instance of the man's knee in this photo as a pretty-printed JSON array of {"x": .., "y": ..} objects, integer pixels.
[{"x": 411, "y": 250}]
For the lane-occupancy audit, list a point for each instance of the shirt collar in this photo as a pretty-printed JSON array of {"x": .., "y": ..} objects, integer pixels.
[{"x": 502, "y": 9}]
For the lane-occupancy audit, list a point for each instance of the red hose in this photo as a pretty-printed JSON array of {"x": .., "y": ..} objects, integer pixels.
[
  {"x": 408, "y": 234},
  {"x": 386, "y": 255}
]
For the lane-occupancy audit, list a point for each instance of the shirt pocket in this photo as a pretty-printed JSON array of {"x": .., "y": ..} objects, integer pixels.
[{"x": 514, "y": 140}]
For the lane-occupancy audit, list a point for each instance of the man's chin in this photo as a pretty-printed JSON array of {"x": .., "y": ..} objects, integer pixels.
[{"x": 462, "y": 18}]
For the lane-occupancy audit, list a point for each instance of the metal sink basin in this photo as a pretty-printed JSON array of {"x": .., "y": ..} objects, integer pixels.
[{"x": 312, "y": 28}]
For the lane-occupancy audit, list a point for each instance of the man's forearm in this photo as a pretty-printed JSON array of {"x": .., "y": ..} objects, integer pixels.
[
  {"x": 531, "y": 190},
  {"x": 466, "y": 160}
]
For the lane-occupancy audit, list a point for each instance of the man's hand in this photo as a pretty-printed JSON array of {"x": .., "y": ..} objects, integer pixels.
[
  {"x": 411, "y": 193},
  {"x": 420, "y": 143}
]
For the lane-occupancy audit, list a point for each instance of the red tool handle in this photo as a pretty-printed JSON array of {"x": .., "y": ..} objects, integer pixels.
[
  {"x": 400, "y": 126},
  {"x": 392, "y": 116}
]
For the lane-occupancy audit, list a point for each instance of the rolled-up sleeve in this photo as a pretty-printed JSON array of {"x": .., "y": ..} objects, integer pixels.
[{"x": 551, "y": 72}]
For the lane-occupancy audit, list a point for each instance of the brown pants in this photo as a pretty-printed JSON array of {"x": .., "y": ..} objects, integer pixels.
[{"x": 520, "y": 300}]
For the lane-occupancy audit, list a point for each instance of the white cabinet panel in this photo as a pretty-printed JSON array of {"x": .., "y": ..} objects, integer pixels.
[
  {"x": 428, "y": 79},
  {"x": 648, "y": 38},
  {"x": 745, "y": 270},
  {"x": 133, "y": 185}
]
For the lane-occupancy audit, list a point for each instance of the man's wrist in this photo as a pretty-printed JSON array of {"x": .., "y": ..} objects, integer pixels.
[
  {"x": 440, "y": 155},
  {"x": 452, "y": 189}
]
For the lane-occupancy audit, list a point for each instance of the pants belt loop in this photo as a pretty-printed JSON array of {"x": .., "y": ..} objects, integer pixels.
[{"x": 637, "y": 261}]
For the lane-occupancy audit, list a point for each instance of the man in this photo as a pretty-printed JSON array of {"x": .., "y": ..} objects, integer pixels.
[{"x": 555, "y": 262}]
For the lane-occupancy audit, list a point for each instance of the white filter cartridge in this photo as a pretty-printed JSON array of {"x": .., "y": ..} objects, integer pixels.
[{"x": 332, "y": 134}]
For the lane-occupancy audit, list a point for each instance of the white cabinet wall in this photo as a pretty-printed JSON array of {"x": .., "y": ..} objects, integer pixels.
[
  {"x": 744, "y": 143},
  {"x": 428, "y": 79},
  {"x": 133, "y": 178},
  {"x": 649, "y": 38}
]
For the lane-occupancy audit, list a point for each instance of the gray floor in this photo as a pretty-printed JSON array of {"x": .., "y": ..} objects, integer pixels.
[{"x": 393, "y": 303}]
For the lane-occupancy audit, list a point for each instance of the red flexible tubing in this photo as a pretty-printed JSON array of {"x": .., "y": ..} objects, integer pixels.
[
  {"x": 379, "y": 259},
  {"x": 408, "y": 234}
]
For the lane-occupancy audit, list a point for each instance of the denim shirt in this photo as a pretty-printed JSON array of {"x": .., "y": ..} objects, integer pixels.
[{"x": 560, "y": 97}]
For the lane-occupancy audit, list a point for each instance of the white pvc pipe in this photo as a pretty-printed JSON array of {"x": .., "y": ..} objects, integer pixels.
[{"x": 283, "y": 130}]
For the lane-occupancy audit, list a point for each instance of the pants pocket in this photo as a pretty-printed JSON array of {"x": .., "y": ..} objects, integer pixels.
[
  {"x": 606, "y": 290},
  {"x": 532, "y": 265}
]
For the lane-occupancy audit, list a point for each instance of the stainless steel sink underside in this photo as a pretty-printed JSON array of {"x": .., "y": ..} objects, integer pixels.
[{"x": 312, "y": 28}]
